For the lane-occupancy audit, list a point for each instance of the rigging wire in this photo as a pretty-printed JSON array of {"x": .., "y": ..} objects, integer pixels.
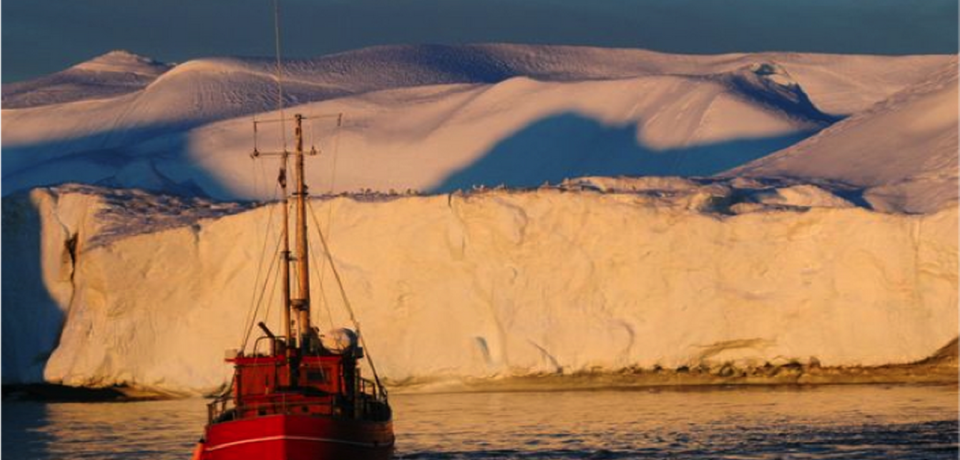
[
  {"x": 346, "y": 300},
  {"x": 323, "y": 293},
  {"x": 333, "y": 178},
  {"x": 251, "y": 311},
  {"x": 276, "y": 34},
  {"x": 253, "y": 317},
  {"x": 323, "y": 296},
  {"x": 273, "y": 290}
]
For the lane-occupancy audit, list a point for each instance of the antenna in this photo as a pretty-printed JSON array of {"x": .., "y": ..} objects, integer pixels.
[{"x": 276, "y": 40}]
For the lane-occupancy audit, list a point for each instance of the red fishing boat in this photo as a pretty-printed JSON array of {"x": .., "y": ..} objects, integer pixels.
[{"x": 299, "y": 395}]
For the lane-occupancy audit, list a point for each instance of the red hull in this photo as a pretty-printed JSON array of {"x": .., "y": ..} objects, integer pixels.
[{"x": 298, "y": 437}]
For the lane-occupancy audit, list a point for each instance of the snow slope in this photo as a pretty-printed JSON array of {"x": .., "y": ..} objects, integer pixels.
[
  {"x": 522, "y": 133},
  {"x": 109, "y": 75},
  {"x": 143, "y": 138},
  {"x": 841, "y": 84},
  {"x": 903, "y": 151},
  {"x": 661, "y": 271}
]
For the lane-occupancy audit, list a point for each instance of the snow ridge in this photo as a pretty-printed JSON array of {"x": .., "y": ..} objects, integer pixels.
[
  {"x": 109, "y": 75},
  {"x": 903, "y": 150},
  {"x": 457, "y": 112}
]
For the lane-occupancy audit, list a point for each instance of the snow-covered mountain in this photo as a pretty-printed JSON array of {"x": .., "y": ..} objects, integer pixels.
[
  {"x": 840, "y": 84},
  {"x": 424, "y": 115},
  {"x": 903, "y": 151},
  {"x": 109, "y": 75}
]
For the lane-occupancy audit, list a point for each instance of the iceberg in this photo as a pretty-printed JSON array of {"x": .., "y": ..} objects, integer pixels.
[{"x": 114, "y": 287}]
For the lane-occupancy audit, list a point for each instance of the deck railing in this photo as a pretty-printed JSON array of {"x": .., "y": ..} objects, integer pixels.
[
  {"x": 370, "y": 403},
  {"x": 225, "y": 408}
]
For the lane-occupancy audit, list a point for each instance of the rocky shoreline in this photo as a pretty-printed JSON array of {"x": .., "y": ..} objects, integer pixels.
[{"x": 940, "y": 369}]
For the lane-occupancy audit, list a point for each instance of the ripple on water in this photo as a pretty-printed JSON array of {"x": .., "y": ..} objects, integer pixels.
[{"x": 828, "y": 422}]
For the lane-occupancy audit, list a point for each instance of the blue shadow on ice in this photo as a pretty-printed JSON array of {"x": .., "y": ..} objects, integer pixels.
[
  {"x": 32, "y": 321},
  {"x": 570, "y": 145},
  {"x": 157, "y": 162}
]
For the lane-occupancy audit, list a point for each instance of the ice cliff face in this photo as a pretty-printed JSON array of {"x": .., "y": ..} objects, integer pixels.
[{"x": 600, "y": 274}]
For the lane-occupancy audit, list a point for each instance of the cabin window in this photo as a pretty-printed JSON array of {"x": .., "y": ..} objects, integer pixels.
[{"x": 316, "y": 376}]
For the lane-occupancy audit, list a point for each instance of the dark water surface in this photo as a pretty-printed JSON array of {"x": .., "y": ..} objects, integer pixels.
[{"x": 826, "y": 422}]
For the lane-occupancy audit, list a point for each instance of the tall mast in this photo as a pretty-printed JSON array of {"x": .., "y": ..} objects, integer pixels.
[
  {"x": 294, "y": 308},
  {"x": 302, "y": 302},
  {"x": 285, "y": 253},
  {"x": 285, "y": 204}
]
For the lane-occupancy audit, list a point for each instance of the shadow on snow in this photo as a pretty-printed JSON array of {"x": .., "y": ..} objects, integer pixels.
[{"x": 570, "y": 145}]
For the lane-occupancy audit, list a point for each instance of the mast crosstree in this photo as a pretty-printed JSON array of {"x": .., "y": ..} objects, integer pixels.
[{"x": 296, "y": 308}]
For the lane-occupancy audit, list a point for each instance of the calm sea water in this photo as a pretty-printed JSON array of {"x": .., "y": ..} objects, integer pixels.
[{"x": 827, "y": 422}]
